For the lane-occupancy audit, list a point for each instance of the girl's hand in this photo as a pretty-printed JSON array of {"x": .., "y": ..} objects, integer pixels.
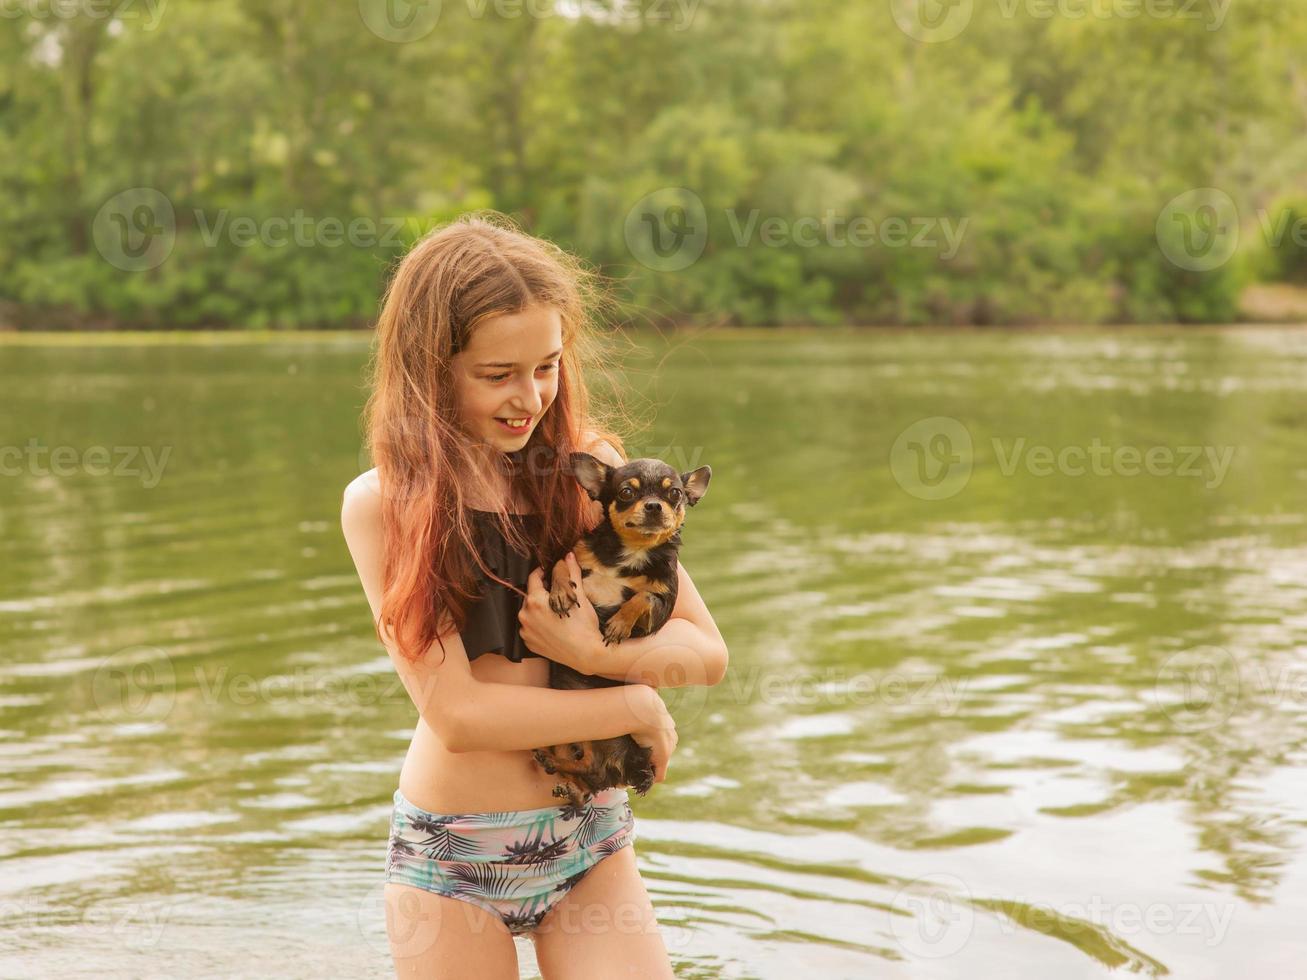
[
  {"x": 573, "y": 639},
  {"x": 657, "y": 733}
]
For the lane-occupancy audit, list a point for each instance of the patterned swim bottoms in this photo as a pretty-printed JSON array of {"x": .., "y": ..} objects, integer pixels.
[{"x": 516, "y": 864}]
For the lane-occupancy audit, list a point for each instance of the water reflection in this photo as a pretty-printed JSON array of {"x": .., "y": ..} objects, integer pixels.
[{"x": 1044, "y": 725}]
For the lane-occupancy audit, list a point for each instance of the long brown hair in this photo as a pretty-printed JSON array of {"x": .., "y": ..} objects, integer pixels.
[{"x": 478, "y": 266}]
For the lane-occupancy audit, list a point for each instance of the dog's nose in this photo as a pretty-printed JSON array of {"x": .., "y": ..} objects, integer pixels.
[{"x": 653, "y": 507}]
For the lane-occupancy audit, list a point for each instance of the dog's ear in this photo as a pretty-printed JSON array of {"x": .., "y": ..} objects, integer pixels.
[
  {"x": 591, "y": 473},
  {"x": 696, "y": 484}
]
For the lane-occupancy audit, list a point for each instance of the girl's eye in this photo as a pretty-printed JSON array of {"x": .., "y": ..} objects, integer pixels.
[{"x": 496, "y": 378}]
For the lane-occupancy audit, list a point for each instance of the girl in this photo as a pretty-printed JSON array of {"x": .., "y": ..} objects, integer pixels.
[{"x": 477, "y": 395}]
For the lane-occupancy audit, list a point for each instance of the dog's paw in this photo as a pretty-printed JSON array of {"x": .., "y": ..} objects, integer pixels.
[
  {"x": 616, "y": 630},
  {"x": 562, "y": 603},
  {"x": 645, "y": 782},
  {"x": 643, "y": 772},
  {"x": 562, "y": 591},
  {"x": 545, "y": 760},
  {"x": 576, "y": 797}
]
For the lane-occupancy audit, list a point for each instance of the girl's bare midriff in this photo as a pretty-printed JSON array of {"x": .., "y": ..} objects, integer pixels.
[{"x": 441, "y": 781}]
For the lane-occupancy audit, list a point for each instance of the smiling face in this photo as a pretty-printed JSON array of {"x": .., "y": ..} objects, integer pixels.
[{"x": 509, "y": 371}]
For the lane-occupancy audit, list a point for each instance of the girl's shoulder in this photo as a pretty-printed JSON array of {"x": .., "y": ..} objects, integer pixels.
[
  {"x": 364, "y": 490},
  {"x": 360, "y": 509},
  {"x": 601, "y": 450}
]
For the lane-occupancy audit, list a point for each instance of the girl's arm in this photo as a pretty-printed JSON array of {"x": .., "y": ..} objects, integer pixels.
[
  {"x": 471, "y": 715},
  {"x": 478, "y": 716},
  {"x": 689, "y": 648}
]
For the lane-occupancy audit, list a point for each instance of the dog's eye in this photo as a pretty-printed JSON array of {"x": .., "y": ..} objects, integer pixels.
[
  {"x": 675, "y": 496},
  {"x": 625, "y": 494}
]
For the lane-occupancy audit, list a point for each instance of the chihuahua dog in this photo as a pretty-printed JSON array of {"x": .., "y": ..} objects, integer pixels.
[{"x": 629, "y": 574}]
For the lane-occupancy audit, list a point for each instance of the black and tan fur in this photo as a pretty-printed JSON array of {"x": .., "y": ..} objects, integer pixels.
[{"x": 629, "y": 573}]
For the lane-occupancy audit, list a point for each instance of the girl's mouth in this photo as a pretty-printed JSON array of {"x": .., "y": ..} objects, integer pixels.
[{"x": 517, "y": 429}]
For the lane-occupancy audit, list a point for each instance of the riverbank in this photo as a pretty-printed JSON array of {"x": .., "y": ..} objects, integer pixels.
[{"x": 1262, "y": 304}]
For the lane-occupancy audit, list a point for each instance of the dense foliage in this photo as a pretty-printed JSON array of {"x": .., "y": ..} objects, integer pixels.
[{"x": 261, "y": 162}]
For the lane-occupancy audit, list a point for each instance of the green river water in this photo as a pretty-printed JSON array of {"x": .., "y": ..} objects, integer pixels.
[{"x": 1017, "y": 621}]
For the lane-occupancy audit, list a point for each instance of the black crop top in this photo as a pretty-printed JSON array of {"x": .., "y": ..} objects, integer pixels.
[{"x": 492, "y": 625}]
